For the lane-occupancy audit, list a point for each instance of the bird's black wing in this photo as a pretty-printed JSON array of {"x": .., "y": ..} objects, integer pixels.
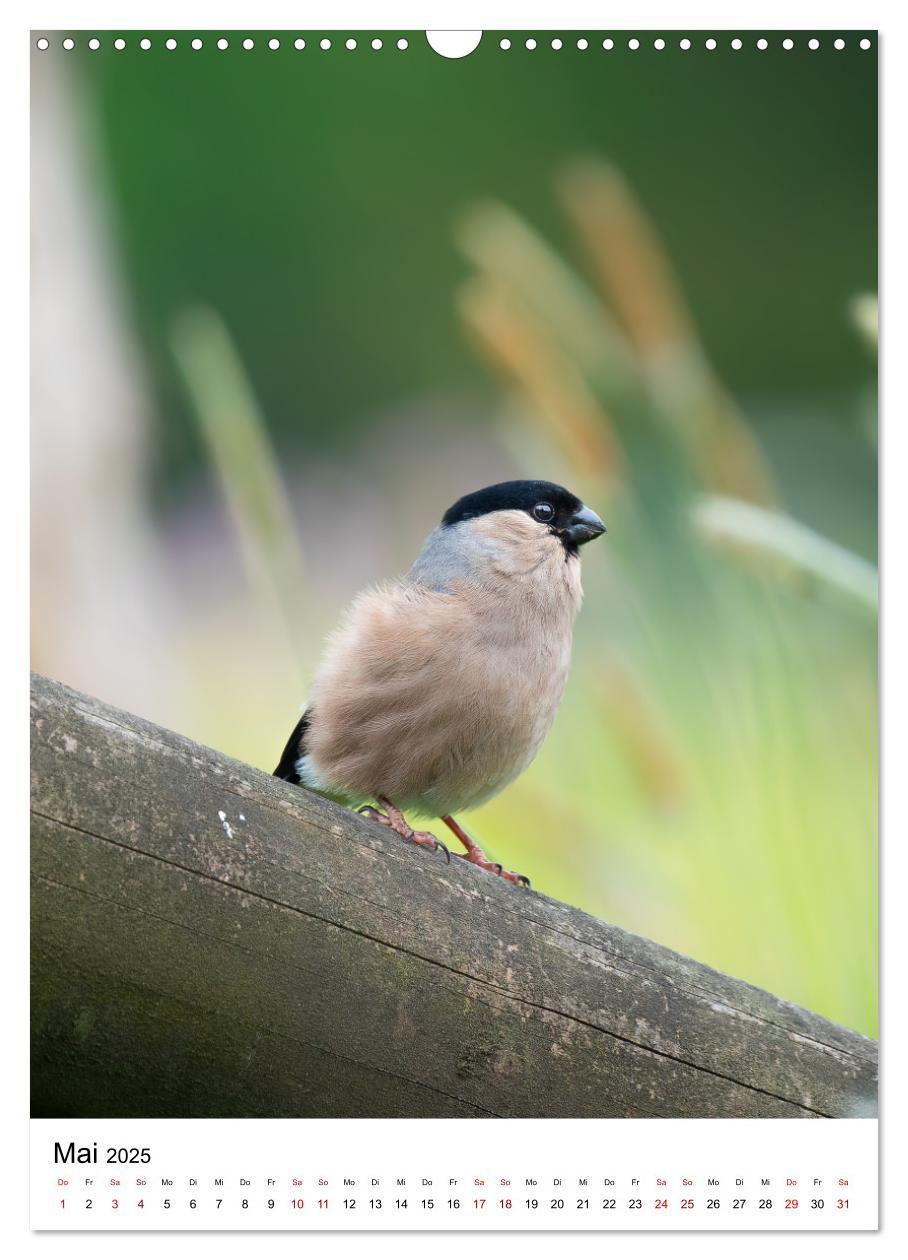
[{"x": 295, "y": 748}]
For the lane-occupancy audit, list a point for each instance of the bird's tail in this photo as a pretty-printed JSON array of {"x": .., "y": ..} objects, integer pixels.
[{"x": 293, "y": 750}]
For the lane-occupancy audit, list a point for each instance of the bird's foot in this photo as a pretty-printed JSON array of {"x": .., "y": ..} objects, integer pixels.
[
  {"x": 393, "y": 818},
  {"x": 475, "y": 855}
]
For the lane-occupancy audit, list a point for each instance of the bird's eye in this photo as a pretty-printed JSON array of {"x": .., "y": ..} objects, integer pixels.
[{"x": 543, "y": 512}]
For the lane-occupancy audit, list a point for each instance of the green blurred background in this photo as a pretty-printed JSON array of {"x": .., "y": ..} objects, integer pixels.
[{"x": 289, "y": 304}]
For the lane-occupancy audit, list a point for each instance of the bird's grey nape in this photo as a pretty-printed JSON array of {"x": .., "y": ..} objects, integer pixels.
[{"x": 449, "y": 554}]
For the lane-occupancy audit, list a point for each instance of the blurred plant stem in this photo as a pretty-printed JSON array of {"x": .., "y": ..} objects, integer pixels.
[
  {"x": 865, "y": 315},
  {"x": 103, "y": 608},
  {"x": 641, "y": 732},
  {"x": 562, "y": 401},
  {"x": 510, "y": 253},
  {"x": 247, "y": 470},
  {"x": 864, "y": 311},
  {"x": 785, "y": 544},
  {"x": 636, "y": 276}
]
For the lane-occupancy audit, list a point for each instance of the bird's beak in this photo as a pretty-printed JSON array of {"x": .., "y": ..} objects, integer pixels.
[{"x": 585, "y": 525}]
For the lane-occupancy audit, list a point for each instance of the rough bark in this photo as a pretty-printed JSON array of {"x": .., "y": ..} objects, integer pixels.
[{"x": 210, "y": 941}]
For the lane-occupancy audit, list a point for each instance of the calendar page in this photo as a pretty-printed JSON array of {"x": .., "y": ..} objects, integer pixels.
[{"x": 454, "y": 628}]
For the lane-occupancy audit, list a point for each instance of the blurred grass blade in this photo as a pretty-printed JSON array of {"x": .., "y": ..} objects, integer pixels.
[
  {"x": 633, "y": 269},
  {"x": 864, "y": 312},
  {"x": 560, "y": 398},
  {"x": 865, "y": 316},
  {"x": 785, "y": 543},
  {"x": 722, "y": 447},
  {"x": 632, "y": 719},
  {"x": 638, "y": 279},
  {"x": 507, "y": 250},
  {"x": 244, "y": 460}
]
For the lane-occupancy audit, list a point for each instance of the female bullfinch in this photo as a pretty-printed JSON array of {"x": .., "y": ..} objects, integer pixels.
[{"x": 437, "y": 689}]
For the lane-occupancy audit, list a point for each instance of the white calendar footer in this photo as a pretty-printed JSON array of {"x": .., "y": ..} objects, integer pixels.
[{"x": 453, "y": 1174}]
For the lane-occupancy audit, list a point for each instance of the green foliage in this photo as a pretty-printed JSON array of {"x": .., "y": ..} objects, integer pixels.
[{"x": 309, "y": 198}]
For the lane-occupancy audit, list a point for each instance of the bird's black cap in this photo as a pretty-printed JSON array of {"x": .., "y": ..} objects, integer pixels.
[
  {"x": 521, "y": 496},
  {"x": 546, "y": 502}
]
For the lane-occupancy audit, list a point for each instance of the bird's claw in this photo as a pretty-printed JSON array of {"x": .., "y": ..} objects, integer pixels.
[
  {"x": 523, "y": 880},
  {"x": 475, "y": 855},
  {"x": 395, "y": 820}
]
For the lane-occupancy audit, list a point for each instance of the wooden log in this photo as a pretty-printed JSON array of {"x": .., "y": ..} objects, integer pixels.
[{"x": 210, "y": 941}]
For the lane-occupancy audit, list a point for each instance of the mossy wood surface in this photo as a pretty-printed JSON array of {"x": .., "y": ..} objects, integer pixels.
[{"x": 210, "y": 941}]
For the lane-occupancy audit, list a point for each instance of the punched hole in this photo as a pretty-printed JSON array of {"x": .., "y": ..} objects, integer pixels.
[{"x": 453, "y": 44}]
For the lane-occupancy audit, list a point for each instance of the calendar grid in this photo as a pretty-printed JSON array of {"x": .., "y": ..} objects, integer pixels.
[{"x": 504, "y": 1175}]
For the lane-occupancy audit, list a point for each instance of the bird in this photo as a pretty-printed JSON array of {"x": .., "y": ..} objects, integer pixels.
[{"x": 438, "y": 688}]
